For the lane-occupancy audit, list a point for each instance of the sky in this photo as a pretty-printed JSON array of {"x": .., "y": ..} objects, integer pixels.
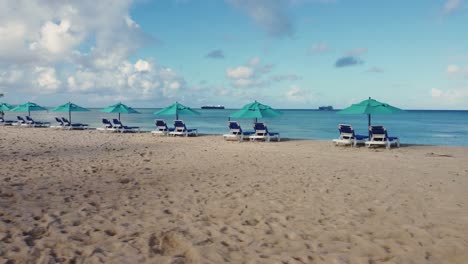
[{"x": 284, "y": 53}]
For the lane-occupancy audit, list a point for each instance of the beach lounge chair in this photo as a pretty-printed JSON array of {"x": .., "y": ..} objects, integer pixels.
[
  {"x": 59, "y": 124},
  {"x": 4, "y": 122},
  {"x": 107, "y": 126},
  {"x": 31, "y": 122},
  {"x": 68, "y": 125},
  {"x": 261, "y": 132},
  {"x": 380, "y": 137},
  {"x": 235, "y": 132},
  {"x": 180, "y": 129},
  {"x": 161, "y": 128},
  {"x": 20, "y": 122},
  {"x": 348, "y": 137},
  {"x": 122, "y": 128}
]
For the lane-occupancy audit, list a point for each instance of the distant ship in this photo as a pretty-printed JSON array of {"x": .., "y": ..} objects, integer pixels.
[
  {"x": 212, "y": 107},
  {"x": 326, "y": 108}
]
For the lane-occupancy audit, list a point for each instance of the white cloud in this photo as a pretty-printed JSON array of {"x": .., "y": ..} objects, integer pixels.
[
  {"x": 457, "y": 71},
  {"x": 78, "y": 47},
  {"x": 142, "y": 66},
  {"x": 58, "y": 38},
  {"x": 451, "y": 6},
  {"x": 47, "y": 79},
  {"x": 240, "y": 72},
  {"x": 450, "y": 97},
  {"x": 453, "y": 69},
  {"x": 297, "y": 95}
]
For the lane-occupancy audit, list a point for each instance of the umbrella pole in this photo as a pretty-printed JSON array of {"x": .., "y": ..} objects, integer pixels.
[
  {"x": 119, "y": 116},
  {"x": 69, "y": 116},
  {"x": 368, "y": 124},
  {"x": 177, "y": 116},
  {"x": 29, "y": 113}
]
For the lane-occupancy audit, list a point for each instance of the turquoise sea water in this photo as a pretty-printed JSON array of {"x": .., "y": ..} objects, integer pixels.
[{"x": 413, "y": 126}]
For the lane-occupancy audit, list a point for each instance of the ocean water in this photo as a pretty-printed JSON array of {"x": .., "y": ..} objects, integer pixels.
[{"x": 412, "y": 126}]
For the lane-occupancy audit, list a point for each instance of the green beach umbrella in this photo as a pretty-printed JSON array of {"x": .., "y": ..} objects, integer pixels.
[
  {"x": 120, "y": 109},
  {"x": 255, "y": 110},
  {"x": 69, "y": 107},
  {"x": 28, "y": 107},
  {"x": 176, "y": 109},
  {"x": 5, "y": 107},
  {"x": 369, "y": 107}
]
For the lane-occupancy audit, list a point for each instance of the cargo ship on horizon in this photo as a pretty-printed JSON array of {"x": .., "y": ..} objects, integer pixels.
[{"x": 212, "y": 107}]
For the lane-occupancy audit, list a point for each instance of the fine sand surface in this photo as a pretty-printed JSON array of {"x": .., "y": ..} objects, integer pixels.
[{"x": 90, "y": 197}]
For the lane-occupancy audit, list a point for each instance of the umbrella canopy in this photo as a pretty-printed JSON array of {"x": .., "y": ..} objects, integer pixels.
[
  {"x": 5, "y": 107},
  {"x": 176, "y": 109},
  {"x": 69, "y": 107},
  {"x": 120, "y": 109},
  {"x": 369, "y": 107},
  {"x": 28, "y": 107},
  {"x": 256, "y": 110}
]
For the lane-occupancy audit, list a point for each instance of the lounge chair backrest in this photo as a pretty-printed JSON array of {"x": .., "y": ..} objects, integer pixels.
[
  {"x": 160, "y": 125},
  {"x": 235, "y": 127},
  {"x": 1, "y": 119},
  {"x": 29, "y": 118},
  {"x": 66, "y": 122},
  {"x": 260, "y": 128},
  {"x": 179, "y": 125},
  {"x": 59, "y": 120},
  {"x": 346, "y": 131},
  {"x": 378, "y": 133},
  {"x": 20, "y": 119},
  {"x": 107, "y": 123},
  {"x": 117, "y": 122}
]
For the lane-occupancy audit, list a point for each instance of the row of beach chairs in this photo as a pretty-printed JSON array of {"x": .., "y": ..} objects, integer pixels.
[
  {"x": 378, "y": 137},
  {"x": 260, "y": 132},
  {"x": 25, "y": 122}
]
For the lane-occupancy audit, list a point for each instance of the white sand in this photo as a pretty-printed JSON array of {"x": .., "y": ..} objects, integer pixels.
[{"x": 90, "y": 197}]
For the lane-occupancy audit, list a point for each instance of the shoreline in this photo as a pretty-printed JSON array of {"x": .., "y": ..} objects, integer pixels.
[{"x": 403, "y": 145}]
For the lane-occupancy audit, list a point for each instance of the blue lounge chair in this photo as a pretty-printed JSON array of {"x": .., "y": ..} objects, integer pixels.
[
  {"x": 4, "y": 122},
  {"x": 261, "y": 132},
  {"x": 59, "y": 124},
  {"x": 180, "y": 129},
  {"x": 20, "y": 122},
  {"x": 107, "y": 126},
  {"x": 235, "y": 132},
  {"x": 380, "y": 137},
  {"x": 348, "y": 137},
  {"x": 68, "y": 125},
  {"x": 33, "y": 123},
  {"x": 122, "y": 128},
  {"x": 161, "y": 128}
]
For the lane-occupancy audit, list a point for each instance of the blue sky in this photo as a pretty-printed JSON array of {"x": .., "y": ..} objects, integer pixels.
[{"x": 285, "y": 53}]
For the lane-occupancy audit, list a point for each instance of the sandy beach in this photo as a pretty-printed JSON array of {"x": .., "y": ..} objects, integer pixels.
[{"x": 90, "y": 197}]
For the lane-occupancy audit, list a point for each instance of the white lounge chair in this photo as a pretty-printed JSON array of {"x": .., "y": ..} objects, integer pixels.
[
  {"x": 379, "y": 137},
  {"x": 122, "y": 128},
  {"x": 161, "y": 128},
  {"x": 4, "y": 122},
  {"x": 261, "y": 132},
  {"x": 68, "y": 125},
  {"x": 348, "y": 137},
  {"x": 180, "y": 129},
  {"x": 236, "y": 133},
  {"x": 107, "y": 126}
]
